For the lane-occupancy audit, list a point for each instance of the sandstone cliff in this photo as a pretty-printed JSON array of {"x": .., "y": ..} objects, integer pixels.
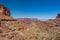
[{"x": 5, "y": 13}]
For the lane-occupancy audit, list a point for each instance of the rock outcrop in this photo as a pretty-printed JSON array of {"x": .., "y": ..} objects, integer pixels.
[
  {"x": 5, "y": 13},
  {"x": 58, "y": 16}
]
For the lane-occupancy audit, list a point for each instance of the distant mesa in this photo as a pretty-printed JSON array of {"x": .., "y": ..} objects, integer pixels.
[{"x": 5, "y": 13}]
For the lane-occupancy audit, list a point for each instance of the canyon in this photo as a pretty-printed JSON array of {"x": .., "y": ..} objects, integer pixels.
[{"x": 27, "y": 28}]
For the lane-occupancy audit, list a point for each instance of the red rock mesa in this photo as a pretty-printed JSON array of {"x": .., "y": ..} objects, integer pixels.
[{"x": 5, "y": 13}]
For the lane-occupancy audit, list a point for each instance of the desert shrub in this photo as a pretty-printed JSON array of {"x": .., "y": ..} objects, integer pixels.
[
  {"x": 1, "y": 31},
  {"x": 56, "y": 25},
  {"x": 50, "y": 38},
  {"x": 57, "y": 37}
]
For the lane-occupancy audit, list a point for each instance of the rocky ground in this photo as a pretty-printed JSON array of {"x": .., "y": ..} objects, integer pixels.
[{"x": 30, "y": 29}]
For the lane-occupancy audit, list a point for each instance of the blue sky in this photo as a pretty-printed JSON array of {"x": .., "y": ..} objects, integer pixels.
[{"x": 41, "y": 9}]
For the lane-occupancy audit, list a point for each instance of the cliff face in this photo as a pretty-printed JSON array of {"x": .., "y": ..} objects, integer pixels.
[
  {"x": 5, "y": 13},
  {"x": 4, "y": 10}
]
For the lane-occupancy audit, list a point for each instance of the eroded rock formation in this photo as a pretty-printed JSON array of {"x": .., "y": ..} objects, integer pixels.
[
  {"x": 4, "y": 10},
  {"x": 5, "y": 13},
  {"x": 58, "y": 16}
]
